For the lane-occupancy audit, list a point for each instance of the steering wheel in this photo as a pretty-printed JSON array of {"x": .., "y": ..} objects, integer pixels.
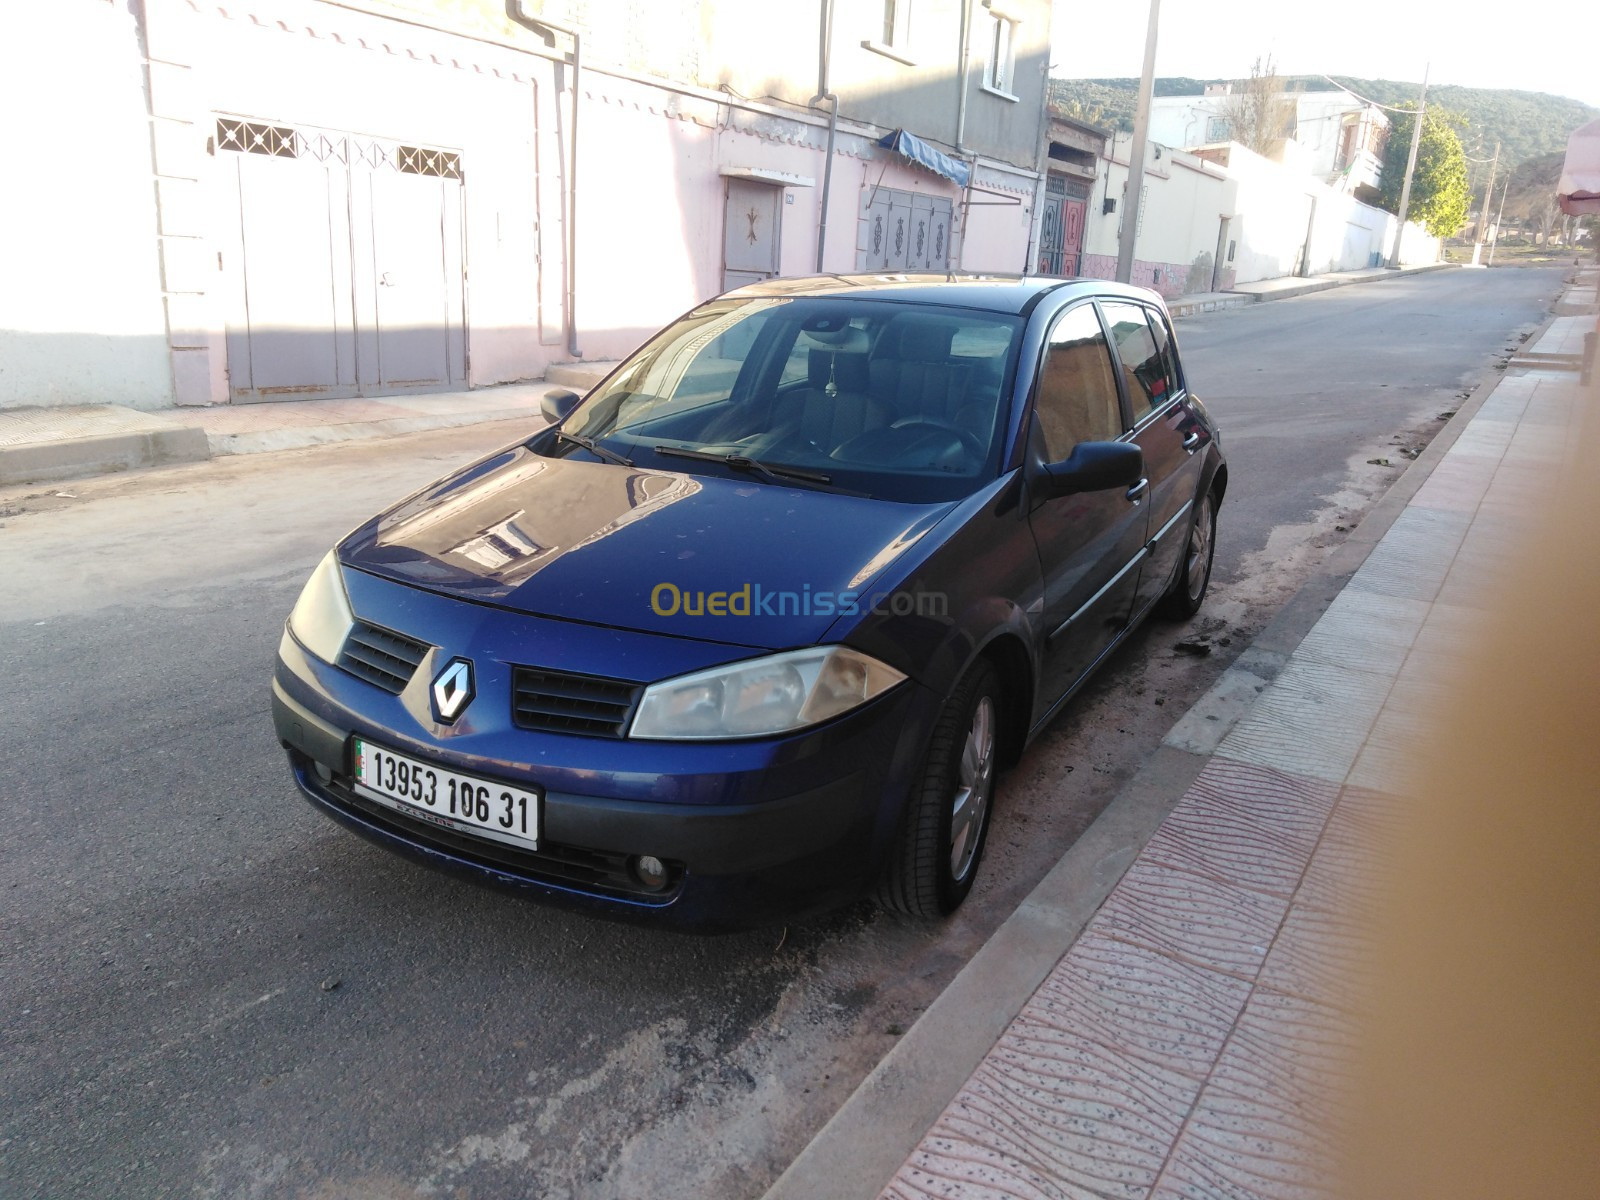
[{"x": 968, "y": 439}]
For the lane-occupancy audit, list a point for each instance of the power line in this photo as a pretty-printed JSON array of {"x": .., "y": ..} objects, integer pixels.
[{"x": 1365, "y": 100}]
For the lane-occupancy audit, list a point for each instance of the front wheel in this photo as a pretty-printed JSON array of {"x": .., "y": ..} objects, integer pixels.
[
  {"x": 1188, "y": 590},
  {"x": 933, "y": 865}
]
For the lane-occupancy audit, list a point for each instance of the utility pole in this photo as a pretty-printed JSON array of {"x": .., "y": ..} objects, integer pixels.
[
  {"x": 1483, "y": 217},
  {"x": 1411, "y": 165},
  {"x": 1500, "y": 212},
  {"x": 1141, "y": 137}
]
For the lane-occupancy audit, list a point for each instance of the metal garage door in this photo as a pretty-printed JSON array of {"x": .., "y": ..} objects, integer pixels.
[
  {"x": 346, "y": 273},
  {"x": 904, "y": 231}
]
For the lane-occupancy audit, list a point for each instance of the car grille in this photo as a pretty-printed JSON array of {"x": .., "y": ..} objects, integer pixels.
[
  {"x": 381, "y": 656},
  {"x": 560, "y": 702}
]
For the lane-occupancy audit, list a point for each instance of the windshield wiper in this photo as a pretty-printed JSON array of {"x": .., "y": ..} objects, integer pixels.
[
  {"x": 594, "y": 447},
  {"x": 772, "y": 473}
]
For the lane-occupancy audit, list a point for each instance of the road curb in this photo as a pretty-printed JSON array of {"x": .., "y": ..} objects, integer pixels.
[
  {"x": 1181, "y": 307},
  {"x": 73, "y": 458},
  {"x": 1326, "y": 284},
  {"x": 301, "y": 436},
  {"x": 865, "y": 1142}
]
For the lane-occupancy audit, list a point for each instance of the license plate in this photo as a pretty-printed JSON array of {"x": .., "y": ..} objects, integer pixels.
[{"x": 446, "y": 798}]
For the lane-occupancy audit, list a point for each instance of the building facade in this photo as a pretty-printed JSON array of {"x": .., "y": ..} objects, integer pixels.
[
  {"x": 1333, "y": 135},
  {"x": 295, "y": 199},
  {"x": 1209, "y": 218}
]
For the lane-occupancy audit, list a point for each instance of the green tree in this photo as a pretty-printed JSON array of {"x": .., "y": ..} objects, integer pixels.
[{"x": 1439, "y": 195}]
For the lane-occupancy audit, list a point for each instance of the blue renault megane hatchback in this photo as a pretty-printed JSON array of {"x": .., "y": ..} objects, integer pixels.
[{"x": 752, "y": 627}]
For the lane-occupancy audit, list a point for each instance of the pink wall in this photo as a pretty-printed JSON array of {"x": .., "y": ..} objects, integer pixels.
[{"x": 1172, "y": 283}]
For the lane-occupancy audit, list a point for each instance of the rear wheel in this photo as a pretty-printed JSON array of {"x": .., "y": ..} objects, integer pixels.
[
  {"x": 1188, "y": 590},
  {"x": 933, "y": 866}
]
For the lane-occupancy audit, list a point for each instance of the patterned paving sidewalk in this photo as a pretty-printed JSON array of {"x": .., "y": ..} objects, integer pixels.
[{"x": 1194, "y": 1041}]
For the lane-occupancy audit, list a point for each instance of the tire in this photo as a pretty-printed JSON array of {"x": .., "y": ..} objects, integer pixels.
[
  {"x": 1188, "y": 590},
  {"x": 931, "y": 868}
]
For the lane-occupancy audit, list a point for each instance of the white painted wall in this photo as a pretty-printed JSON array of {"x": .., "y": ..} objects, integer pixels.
[
  {"x": 1184, "y": 202},
  {"x": 122, "y": 220},
  {"x": 361, "y": 74},
  {"x": 1276, "y": 206},
  {"x": 81, "y": 320}
]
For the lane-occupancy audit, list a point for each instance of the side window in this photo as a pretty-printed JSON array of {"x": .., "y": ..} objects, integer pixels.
[
  {"x": 1169, "y": 355},
  {"x": 1144, "y": 367},
  {"x": 1077, "y": 393}
]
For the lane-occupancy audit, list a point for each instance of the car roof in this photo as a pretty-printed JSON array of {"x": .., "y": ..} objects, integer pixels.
[{"x": 1017, "y": 294}]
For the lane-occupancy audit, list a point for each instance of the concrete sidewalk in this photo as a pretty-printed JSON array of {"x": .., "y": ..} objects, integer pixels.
[
  {"x": 43, "y": 444},
  {"x": 39, "y": 445},
  {"x": 1178, "y": 1025},
  {"x": 1293, "y": 285}
]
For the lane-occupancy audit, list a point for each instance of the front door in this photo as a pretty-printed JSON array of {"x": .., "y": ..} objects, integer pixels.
[
  {"x": 1090, "y": 544},
  {"x": 750, "y": 233},
  {"x": 1061, "y": 225},
  {"x": 1052, "y": 225},
  {"x": 1073, "y": 212}
]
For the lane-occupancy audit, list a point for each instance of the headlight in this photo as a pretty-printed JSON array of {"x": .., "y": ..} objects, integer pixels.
[
  {"x": 762, "y": 696},
  {"x": 321, "y": 618}
]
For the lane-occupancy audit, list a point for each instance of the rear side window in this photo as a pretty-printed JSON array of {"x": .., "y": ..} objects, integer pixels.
[
  {"x": 1077, "y": 393},
  {"x": 1144, "y": 366},
  {"x": 1158, "y": 326}
]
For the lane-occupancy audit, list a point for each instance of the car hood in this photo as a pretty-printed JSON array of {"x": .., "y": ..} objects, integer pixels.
[{"x": 637, "y": 549}]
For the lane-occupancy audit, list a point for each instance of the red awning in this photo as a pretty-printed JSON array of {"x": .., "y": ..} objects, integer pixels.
[{"x": 1578, "y": 193}]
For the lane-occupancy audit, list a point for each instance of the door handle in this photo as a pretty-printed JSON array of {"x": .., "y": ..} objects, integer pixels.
[
  {"x": 1137, "y": 491},
  {"x": 1192, "y": 442}
]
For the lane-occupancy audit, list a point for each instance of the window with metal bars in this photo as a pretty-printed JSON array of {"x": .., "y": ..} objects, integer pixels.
[
  {"x": 249, "y": 137},
  {"x": 414, "y": 160}
]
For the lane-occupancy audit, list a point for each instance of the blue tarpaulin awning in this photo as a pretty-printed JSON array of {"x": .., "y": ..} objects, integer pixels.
[{"x": 909, "y": 145}]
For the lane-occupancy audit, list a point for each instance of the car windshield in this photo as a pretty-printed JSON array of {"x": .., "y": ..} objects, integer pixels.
[{"x": 893, "y": 400}]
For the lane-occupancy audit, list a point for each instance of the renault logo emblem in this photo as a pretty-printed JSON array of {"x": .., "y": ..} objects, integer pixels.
[{"x": 453, "y": 690}]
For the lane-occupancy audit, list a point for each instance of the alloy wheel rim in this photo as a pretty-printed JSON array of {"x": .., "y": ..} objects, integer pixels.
[
  {"x": 1199, "y": 552},
  {"x": 971, "y": 799}
]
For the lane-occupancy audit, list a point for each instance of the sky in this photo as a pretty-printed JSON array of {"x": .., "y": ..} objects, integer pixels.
[{"x": 1468, "y": 42}]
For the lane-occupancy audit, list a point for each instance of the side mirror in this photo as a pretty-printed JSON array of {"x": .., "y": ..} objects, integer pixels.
[
  {"x": 1095, "y": 467},
  {"x": 558, "y": 402}
]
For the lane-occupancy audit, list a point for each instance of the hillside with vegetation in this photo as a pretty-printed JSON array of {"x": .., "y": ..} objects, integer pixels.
[{"x": 1528, "y": 125}]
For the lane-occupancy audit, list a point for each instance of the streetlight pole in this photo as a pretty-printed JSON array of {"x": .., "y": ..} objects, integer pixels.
[
  {"x": 1141, "y": 137},
  {"x": 1411, "y": 165},
  {"x": 1483, "y": 216},
  {"x": 1499, "y": 213}
]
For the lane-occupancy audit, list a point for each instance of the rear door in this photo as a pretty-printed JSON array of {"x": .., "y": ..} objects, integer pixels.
[
  {"x": 1164, "y": 429},
  {"x": 1090, "y": 545}
]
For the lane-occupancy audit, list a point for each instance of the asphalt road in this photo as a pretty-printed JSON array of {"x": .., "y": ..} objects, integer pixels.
[{"x": 207, "y": 989}]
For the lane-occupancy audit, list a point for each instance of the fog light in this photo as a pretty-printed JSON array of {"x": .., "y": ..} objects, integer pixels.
[
  {"x": 323, "y": 773},
  {"x": 650, "y": 871}
]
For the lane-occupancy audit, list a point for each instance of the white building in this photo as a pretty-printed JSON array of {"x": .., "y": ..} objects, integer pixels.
[
  {"x": 1333, "y": 135},
  {"x": 302, "y": 199}
]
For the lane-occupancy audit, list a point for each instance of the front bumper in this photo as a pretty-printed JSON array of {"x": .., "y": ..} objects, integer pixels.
[{"x": 751, "y": 831}]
